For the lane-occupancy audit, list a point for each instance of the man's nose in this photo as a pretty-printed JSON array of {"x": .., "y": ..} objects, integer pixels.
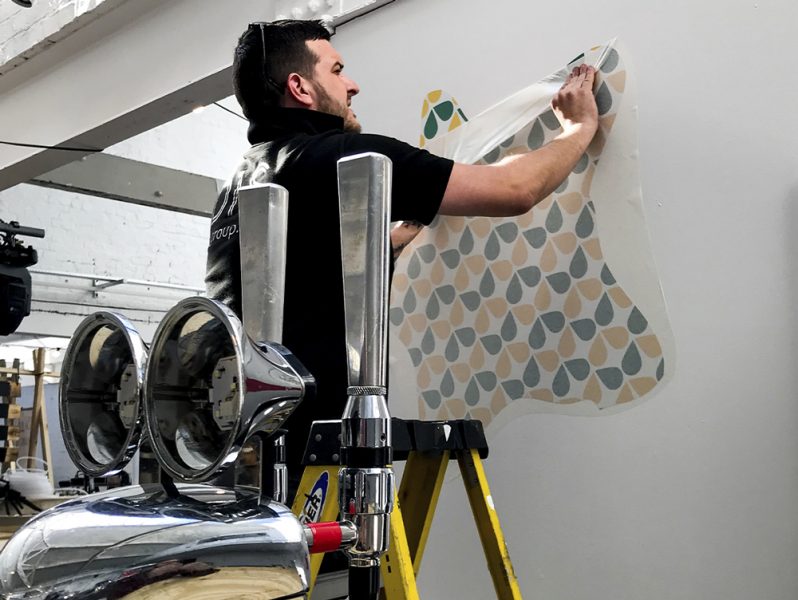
[{"x": 352, "y": 88}]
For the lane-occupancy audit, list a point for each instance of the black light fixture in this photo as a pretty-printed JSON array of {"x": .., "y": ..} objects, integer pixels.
[{"x": 23, "y": 3}]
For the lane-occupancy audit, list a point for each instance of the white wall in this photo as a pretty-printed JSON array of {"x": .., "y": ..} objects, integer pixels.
[{"x": 693, "y": 494}]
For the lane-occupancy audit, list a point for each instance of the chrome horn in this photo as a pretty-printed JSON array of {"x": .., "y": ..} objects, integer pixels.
[
  {"x": 212, "y": 381},
  {"x": 99, "y": 393},
  {"x": 366, "y": 480}
]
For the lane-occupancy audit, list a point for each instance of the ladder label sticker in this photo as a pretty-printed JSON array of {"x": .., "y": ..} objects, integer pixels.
[{"x": 314, "y": 503}]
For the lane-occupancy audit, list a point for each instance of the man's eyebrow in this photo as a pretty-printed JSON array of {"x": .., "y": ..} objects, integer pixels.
[{"x": 338, "y": 63}]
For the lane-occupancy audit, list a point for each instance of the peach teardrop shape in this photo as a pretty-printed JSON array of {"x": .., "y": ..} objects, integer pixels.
[
  {"x": 618, "y": 337},
  {"x": 461, "y": 372},
  {"x": 590, "y": 288},
  {"x": 461, "y": 279},
  {"x": 649, "y": 344},
  {"x": 482, "y": 324},
  {"x": 573, "y": 305},
  {"x": 566, "y": 242},
  {"x": 442, "y": 329},
  {"x": 592, "y": 389},
  {"x": 625, "y": 395},
  {"x": 456, "y": 407},
  {"x": 587, "y": 181},
  {"x": 525, "y": 314},
  {"x": 520, "y": 252},
  {"x": 548, "y": 359},
  {"x": 567, "y": 345},
  {"x": 437, "y": 364},
  {"x": 619, "y": 297},
  {"x": 418, "y": 322},
  {"x": 593, "y": 248},
  {"x": 520, "y": 351},
  {"x": 643, "y": 385},
  {"x": 498, "y": 307},
  {"x": 598, "y": 352},
  {"x": 498, "y": 401},
  {"x": 571, "y": 202},
  {"x": 548, "y": 260},
  {"x": 543, "y": 297},
  {"x": 481, "y": 226},
  {"x": 503, "y": 269},
  {"x": 475, "y": 263},
  {"x": 437, "y": 273},
  {"x": 422, "y": 287},
  {"x": 477, "y": 358},
  {"x": 542, "y": 394},
  {"x": 456, "y": 316},
  {"x": 504, "y": 366}
]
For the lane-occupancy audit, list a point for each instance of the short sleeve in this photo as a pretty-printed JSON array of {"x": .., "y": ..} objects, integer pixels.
[{"x": 419, "y": 177}]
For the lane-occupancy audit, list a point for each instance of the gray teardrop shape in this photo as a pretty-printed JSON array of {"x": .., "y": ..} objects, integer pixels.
[
  {"x": 492, "y": 248},
  {"x": 428, "y": 343},
  {"x": 563, "y": 186},
  {"x": 466, "y": 244},
  {"x": 606, "y": 275},
  {"x": 409, "y": 303},
  {"x": 427, "y": 253},
  {"x": 550, "y": 120},
  {"x": 578, "y": 266},
  {"x": 537, "y": 336},
  {"x": 611, "y": 377},
  {"x": 561, "y": 384},
  {"x": 604, "y": 311},
  {"x": 585, "y": 329},
  {"x": 397, "y": 316},
  {"x": 560, "y": 282},
  {"x": 531, "y": 373},
  {"x": 432, "y": 398},
  {"x": 610, "y": 62},
  {"x": 581, "y": 165},
  {"x": 554, "y": 218},
  {"x": 535, "y": 138},
  {"x": 530, "y": 275},
  {"x": 472, "y": 393},
  {"x": 492, "y": 343},
  {"x": 447, "y": 384},
  {"x": 466, "y": 336},
  {"x": 452, "y": 352},
  {"x": 514, "y": 290},
  {"x": 584, "y": 224},
  {"x": 493, "y": 155},
  {"x": 487, "y": 286},
  {"x": 509, "y": 329},
  {"x": 536, "y": 237},
  {"x": 579, "y": 368},
  {"x": 414, "y": 266},
  {"x": 433, "y": 307},
  {"x": 631, "y": 362},
  {"x": 451, "y": 258},
  {"x": 508, "y": 142},
  {"x": 446, "y": 293},
  {"x": 513, "y": 388},
  {"x": 471, "y": 300},
  {"x": 554, "y": 320},
  {"x": 507, "y": 232},
  {"x": 637, "y": 322},
  {"x": 603, "y": 99},
  {"x": 487, "y": 380},
  {"x": 415, "y": 356},
  {"x": 661, "y": 370}
]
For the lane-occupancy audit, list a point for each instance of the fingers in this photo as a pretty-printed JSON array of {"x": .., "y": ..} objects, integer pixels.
[{"x": 581, "y": 76}]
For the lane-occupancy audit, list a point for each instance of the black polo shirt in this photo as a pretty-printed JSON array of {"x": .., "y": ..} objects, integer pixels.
[{"x": 299, "y": 150}]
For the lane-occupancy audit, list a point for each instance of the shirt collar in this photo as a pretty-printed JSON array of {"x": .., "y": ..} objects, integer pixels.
[{"x": 286, "y": 121}]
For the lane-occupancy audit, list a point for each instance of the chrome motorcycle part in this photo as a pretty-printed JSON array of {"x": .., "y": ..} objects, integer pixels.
[
  {"x": 100, "y": 393},
  {"x": 207, "y": 543},
  {"x": 208, "y": 388}
]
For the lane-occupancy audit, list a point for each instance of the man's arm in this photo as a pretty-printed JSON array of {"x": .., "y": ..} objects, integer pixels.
[{"x": 515, "y": 184}]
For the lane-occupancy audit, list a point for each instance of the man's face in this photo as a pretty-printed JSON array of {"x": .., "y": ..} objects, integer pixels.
[{"x": 333, "y": 90}]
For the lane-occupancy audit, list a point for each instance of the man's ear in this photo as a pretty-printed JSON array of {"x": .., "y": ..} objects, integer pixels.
[{"x": 298, "y": 91}]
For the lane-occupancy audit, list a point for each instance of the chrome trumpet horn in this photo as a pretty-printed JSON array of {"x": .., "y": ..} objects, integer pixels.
[
  {"x": 208, "y": 388},
  {"x": 212, "y": 381},
  {"x": 99, "y": 393}
]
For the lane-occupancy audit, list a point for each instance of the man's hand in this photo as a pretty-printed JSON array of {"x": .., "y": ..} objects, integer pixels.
[
  {"x": 516, "y": 183},
  {"x": 574, "y": 104}
]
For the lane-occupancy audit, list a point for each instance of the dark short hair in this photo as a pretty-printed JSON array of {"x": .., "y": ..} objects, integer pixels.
[{"x": 266, "y": 54}]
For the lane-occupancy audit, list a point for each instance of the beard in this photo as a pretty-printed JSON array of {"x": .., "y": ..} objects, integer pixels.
[{"x": 327, "y": 104}]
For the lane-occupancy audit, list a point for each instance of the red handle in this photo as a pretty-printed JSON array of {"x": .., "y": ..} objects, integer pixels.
[{"x": 326, "y": 536}]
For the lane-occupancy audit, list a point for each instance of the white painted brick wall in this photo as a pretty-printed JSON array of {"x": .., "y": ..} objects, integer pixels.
[
  {"x": 24, "y": 32},
  {"x": 95, "y": 236}
]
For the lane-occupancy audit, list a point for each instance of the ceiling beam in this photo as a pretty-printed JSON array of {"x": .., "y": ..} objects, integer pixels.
[{"x": 118, "y": 178}]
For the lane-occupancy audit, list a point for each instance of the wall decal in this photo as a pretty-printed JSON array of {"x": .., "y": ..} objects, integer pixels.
[{"x": 492, "y": 317}]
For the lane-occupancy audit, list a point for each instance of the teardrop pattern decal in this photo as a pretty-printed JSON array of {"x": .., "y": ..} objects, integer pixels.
[{"x": 534, "y": 312}]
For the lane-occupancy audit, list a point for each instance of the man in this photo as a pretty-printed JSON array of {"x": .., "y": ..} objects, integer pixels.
[{"x": 290, "y": 83}]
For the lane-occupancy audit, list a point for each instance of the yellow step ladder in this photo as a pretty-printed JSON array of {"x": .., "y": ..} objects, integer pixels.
[{"x": 427, "y": 446}]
